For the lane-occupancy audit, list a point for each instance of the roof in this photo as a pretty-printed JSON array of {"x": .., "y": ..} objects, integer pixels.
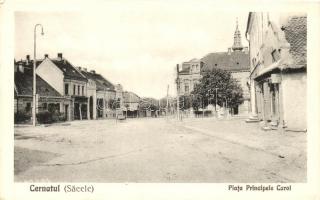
[
  {"x": 64, "y": 65},
  {"x": 101, "y": 82},
  {"x": 24, "y": 84},
  {"x": 186, "y": 70},
  {"x": 233, "y": 61},
  {"x": 194, "y": 60},
  {"x": 68, "y": 70},
  {"x": 130, "y": 97},
  {"x": 296, "y": 35}
]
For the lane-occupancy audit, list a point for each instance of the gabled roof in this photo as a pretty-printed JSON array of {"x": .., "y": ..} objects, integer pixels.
[
  {"x": 296, "y": 35},
  {"x": 68, "y": 70},
  {"x": 233, "y": 61},
  {"x": 130, "y": 97},
  {"x": 101, "y": 82},
  {"x": 24, "y": 84}
]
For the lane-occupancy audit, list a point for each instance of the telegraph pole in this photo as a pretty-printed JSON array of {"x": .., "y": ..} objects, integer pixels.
[
  {"x": 167, "y": 107},
  {"x": 216, "y": 99},
  {"x": 178, "y": 109}
]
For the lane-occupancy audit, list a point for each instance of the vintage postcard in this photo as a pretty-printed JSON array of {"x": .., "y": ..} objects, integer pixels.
[{"x": 161, "y": 100}]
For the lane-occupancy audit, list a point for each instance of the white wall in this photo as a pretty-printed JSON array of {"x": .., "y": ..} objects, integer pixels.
[
  {"x": 294, "y": 87},
  {"x": 49, "y": 72},
  {"x": 242, "y": 78}
]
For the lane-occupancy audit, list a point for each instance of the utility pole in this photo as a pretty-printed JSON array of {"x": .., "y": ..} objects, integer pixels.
[
  {"x": 216, "y": 99},
  {"x": 167, "y": 107},
  {"x": 178, "y": 109}
]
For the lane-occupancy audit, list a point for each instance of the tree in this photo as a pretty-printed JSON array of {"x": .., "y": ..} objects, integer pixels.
[{"x": 228, "y": 90}]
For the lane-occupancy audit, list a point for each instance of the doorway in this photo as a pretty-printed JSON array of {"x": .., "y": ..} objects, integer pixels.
[
  {"x": 91, "y": 107},
  {"x": 66, "y": 112}
]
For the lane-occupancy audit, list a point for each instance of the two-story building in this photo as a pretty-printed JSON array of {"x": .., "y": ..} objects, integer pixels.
[
  {"x": 60, "y": 74},
  {"x": 100, "y": 93},
  {"x": 189, "y": 76},
  {"x": 278, "y": 58}
]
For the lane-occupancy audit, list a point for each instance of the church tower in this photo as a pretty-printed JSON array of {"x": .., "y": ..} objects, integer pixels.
[{"x": 237, "y": 45}]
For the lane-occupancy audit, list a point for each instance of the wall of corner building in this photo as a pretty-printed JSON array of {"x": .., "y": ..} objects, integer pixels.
[
  {"x": 294, "y": 100},
  {"x": 49, "y": 72}
]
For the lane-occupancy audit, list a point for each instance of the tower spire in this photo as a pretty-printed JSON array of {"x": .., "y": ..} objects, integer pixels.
[{"x": 237, "y": 45}]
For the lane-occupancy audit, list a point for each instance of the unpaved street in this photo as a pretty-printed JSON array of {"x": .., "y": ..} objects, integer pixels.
[{"x": 159, "y": 150}]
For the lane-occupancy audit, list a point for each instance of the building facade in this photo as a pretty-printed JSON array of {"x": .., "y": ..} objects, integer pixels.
[
  {"x": 189, "y": 76},
  {"x": 100, "y": 94},
  {"x": 278, "y": 81},
  {"x": 131, "y": 103},
  {"x": 47, "y": 99},
  {"x": 69, "y": 82}
]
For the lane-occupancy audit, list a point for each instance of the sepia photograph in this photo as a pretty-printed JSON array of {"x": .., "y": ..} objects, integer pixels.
[{"x": 152, "y": 95}]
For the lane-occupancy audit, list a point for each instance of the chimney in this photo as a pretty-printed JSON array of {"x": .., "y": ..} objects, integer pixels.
[
  {"x": 28, "y": 59},
  {"x": 177, "y": 68},
  {"x": 46, "y": 56},
  {"x": 85, "y": 69},
  {"x": 246, "y": 50},
  {"x": 229, "y": 51},
  {"x": 79, "y": 68},
  {"x": 93, "y": 71},
  {"x": 59, "y": 56}
]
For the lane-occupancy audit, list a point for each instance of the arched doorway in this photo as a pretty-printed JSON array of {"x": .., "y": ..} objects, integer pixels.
[{"x": 91, "y": 107}]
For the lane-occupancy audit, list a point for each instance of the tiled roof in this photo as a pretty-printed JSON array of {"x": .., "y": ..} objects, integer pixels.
[
  {"x": 68, "y": 70},
  {"x": 130, "y": 97},
  {"x": 64, "y": 65},
  {"x": 101, "y": 82},
  {"x": 24, "y": 84},
  {"x": 233, "y": 61},
  {"x": 186, "y": 70},
  {"x": 296, "y": 35}
]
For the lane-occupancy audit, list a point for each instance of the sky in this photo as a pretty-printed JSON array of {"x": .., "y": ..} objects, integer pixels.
[{"x": 136, "y": 46}]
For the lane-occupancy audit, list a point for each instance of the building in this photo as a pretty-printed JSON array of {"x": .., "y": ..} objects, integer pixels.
[
  {"x": 100, "y": 92},
  {"x": 278, "y": 59},
  {"x": 235, "y": 60},
  {"x": 189, "y": 75},
  {"x": 60, "y": 74},
  {"x": 131, "y": 103},
  {"x": 48, "y": 98}
]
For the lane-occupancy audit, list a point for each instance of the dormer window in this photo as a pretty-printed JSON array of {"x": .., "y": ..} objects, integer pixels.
[{"x": 275, "y": 55}]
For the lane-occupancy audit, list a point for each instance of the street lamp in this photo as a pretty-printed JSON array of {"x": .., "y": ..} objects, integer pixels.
[{"x": 34, "y": 73}]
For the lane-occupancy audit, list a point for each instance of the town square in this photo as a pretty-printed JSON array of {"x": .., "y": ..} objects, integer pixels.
[{"x": 149, "y": 97}]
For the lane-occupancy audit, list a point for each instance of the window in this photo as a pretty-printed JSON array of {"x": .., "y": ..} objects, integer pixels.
[
  {"x": 28, "y": 107},
  {"x": 44, "y": 106},
  {"x": 186, "y": 88},
  {"x": 82, "y": 90},
  {"x": 74, "y": 89},
  {"x": 78, "y": 89},
  {"x": 275, "y": 55},
  {"x": 66, "y": 89}
]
